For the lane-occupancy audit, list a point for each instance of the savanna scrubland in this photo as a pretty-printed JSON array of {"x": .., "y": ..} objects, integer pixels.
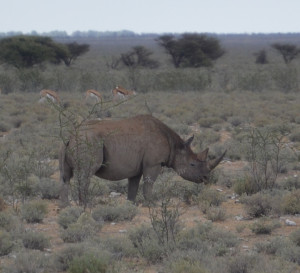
[{"x": 246, "y": 219}]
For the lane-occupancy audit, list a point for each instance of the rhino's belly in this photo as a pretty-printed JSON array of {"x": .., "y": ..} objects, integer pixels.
[
  {"x": 114, "y": 172},
  {"x": 123, "y": 158}
]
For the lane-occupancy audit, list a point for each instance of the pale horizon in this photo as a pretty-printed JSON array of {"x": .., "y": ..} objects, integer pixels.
[{"x": 155, "y": 16}]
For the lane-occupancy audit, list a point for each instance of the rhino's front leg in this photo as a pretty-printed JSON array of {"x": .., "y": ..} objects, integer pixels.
[{"x": 149, "y": 176}]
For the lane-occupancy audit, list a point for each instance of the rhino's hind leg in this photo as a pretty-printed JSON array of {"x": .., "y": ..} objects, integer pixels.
[
  {"x": 133, "y": 186},
  {"x": 65, "y": 176},
  {"x": 83, "y": 178}
]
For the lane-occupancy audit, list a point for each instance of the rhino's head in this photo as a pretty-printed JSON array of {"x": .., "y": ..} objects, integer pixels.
[{"x": 194, "y": 167}]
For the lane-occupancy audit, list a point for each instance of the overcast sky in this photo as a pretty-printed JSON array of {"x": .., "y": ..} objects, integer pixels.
[{"x": 151, "y": 16}]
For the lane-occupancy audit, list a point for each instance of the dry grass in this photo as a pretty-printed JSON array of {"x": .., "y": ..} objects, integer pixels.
[{"x": 217, "y": 106}]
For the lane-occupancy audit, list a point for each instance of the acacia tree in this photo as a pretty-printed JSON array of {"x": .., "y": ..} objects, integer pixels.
[
  {"x": 172, "y": 48},
  {"x": 74, "y": 51},
  {"x": 191, "y": 50},
  {"x": 27, "y": 51},
  {"x": 139, "y": 56},
  {"x": 288, "y": 51}
]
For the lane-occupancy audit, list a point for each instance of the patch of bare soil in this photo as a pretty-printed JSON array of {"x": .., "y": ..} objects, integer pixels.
[
  {"x": 236, "y": 221},
  {"x": 236, "y": 217}
]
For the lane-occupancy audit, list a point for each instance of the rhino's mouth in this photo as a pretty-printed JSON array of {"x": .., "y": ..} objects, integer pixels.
[{"x": 203, "y": 179}]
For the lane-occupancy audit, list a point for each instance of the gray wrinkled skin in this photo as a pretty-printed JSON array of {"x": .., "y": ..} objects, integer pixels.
[{"x": 131, "y": 148}]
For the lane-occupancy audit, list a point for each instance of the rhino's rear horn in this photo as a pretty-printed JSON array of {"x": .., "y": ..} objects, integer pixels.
[
  {"x": 188, "y": 142},
  {"x": 203, "y": 155},
  {"x": 214, "y": 163}
]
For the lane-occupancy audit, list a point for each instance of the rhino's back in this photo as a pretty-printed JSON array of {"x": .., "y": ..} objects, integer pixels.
[
  {"x": 142, "y": 125},
  {"x": 138, "y": 125}
]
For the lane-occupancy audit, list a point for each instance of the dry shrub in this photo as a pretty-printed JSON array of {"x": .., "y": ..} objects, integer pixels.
[
  {"x": 85, "y": 227},
  {"x": 34, "y": 211},
  {"x": 115, "y": 212},
  {"x": 216, "y": 214},
  {"x": 147, "y": 244},
  {"x": 183, "y": 266},
  {"x": 262, "y": 204},
  {"x": 32, "y": 261},
  {"x": 2, "y": 204},
  {"x": 291, "y": 202},
  {"x": 264, "y": 226},
  {"x": 35, "y": 240},
  {"x": 6, "y": 243},
  {"x": 69, "y": 216},
  {"x": 208, "y": 198},
  {"x": 89, "y": 262},
  {"x": 295, "y": 237}
]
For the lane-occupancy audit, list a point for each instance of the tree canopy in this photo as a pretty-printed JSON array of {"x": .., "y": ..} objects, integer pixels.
[
  {"x": 26, "y": 51},
  {"x": 74, "y": 51},
  {"x": 191, "y": 50},
  {"x": 139, "y": 56},
  {"x": 288, "y": 51}
]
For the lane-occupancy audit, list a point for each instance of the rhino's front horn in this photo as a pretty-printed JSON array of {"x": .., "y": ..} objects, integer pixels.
[{"x": 214, "y": 163}]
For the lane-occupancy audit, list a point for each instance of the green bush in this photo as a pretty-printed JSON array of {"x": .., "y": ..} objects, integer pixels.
[
  {"x": 2, "y": 204},
  {"x": 189, "y": 191},
  {"x": 262, "y": 204},
  {"x": 281, "y": 247},
  {"x": 286, "y": 79},
  {"x": 291, "y": 202},
  {"x": 120, "y": 247},
  {"x": 236, "y": 121},
  {"x": 290, "y": 253},
  {"x": 4, "y": 126},
  {"x": 67, "y": 259},
  {"x": 35, "y": 240},
  {"x": 216, "y": 214},
  {"x": 76, "y": 233},
  {"x": 244, "y": 185},
  {"x": 291, "y": 183},
  {"x": 6, "y": 243},
  {"x": 8, "y": 221},
  {"x": 32, "y": 261},
  {"x": 233, "y": 147},
  {"x": 34, "y": 211},
  {"x": 208, "y": 122},
  {"x": 118, "y": 186},
  {"x": 273, "y": 246},
  {"x": 69, "y": 216},
  {"x": 241, "y": 263},
  {"x": 85, "y": 227},
  {"x": 207, "y": 239},
  {"x": 295, "y": 136},
  {"x": 264, "y": 226},
  {"x": 295, "y": 237},
  {"x": 89, "y": 263},
  {"x": 115, "y": 212},
  {"x": 185, "y": 266},
  {"x": 146, "y": 242},
  {"x": 49, "y": 188},
  {"x": 209, "y": 197},
  {"x": 65, "y": 256}
]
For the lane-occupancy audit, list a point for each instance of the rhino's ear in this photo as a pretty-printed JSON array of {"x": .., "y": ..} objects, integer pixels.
[
  {"x": 189, "y": 141},
  {"x": 203, "y": 155}
]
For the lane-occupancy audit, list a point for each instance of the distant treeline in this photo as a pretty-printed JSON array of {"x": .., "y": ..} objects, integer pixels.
[{"x": 92, "y": 34}]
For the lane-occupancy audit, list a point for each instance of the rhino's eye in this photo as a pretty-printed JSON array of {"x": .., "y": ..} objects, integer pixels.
[{"x": 193, "y": 164}]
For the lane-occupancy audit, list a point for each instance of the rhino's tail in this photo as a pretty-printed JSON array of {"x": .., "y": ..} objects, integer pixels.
[
  {"x": 65, "y": 176},
  {"x": 62, "y": 162}
]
